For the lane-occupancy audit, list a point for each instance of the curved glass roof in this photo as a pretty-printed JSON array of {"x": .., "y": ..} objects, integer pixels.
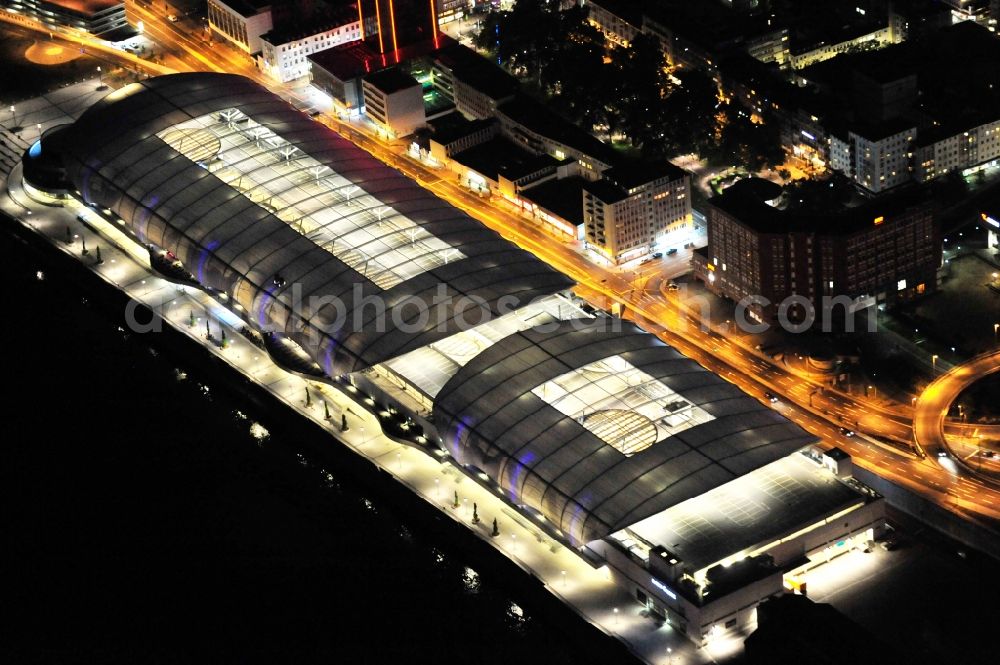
[
  {"x": 311, "y": 235},
  {"x": 588, "y": 482}
]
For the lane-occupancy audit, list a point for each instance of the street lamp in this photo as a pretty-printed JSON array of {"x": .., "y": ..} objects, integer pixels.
[
  {"x": 100, "y": 78},
  {"x": 616, "y": 616},
  {"x": 38, "y": 126},
  {"x": 996, "y": 327},
  {"x": 934, "y": 362},
  {"x": 874, "y": 391}
]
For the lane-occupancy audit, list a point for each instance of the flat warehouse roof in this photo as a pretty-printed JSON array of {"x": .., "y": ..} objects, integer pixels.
[{"x": 752, "y": 510}]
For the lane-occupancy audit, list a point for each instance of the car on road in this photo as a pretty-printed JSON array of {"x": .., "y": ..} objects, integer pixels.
[
  {"x": 847, "y": 432},
  {"x": 942, "y": 453},
  {"x": 671, "y": 251},
  {"x": 771, "y": 397},
  {"x": 658, "y": 255},
  {"x": 172, "y": 18},
  {"x": 890, "y": 543}
]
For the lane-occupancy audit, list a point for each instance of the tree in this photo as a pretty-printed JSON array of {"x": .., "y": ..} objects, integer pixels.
[
  {"x": 475, "y": 514},
  {"x": 343, "y": 422},
  {"x": 308, "y": 398},
  {"x": 456, "y": 504},
  {"x": 689, "y": 115},
  {"x": 741, "y": 141},
  {"x": 496, "y": 528},
  {"x": 326, "y": 410}
]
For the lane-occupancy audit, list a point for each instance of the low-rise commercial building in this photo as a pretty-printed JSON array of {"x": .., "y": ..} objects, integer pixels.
[
  {"x": 394, "y": 101},
  {"x": 476, "y": 86}
]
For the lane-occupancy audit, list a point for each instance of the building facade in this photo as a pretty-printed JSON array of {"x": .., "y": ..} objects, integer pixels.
[
  {"x": 394, "y": 101},
  {"x": 979, "y": 146},
  {"x": 98, "y": 17},
  {"x": 631, "y": 208},
  {"x": 284, "y": 54},
  {"x": 240, "y": 22},
  {"x": 880, "y": 159}
]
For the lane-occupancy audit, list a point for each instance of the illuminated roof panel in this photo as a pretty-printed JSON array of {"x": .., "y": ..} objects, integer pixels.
[
  {"x": 749, "y": 511},
  {"x": 496, "y": 418}
]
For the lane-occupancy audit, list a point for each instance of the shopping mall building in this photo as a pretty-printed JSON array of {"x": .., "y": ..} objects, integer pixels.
[{"x": 699, "y": 498}]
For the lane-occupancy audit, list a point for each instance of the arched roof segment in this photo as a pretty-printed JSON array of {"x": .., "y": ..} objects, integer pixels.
[
  {"x": 300, "y": 242},
  {"x": 494, "y": 415}
]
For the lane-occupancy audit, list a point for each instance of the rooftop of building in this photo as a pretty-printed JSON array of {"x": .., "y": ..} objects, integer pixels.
[
  {"x": 604, "y": 428},
  {"x": 606, "y": 191},
  {"x": 562, "y": 197},
  {"x": 498, "y": 156},
  {"x": 326, "y": 17},
  {"x": 832, "y": 22},
  {"x": 454, "y": 126},
  {"x": 635, "y": 173},
  {"x": 628, "y": 10},
  {"x": 750, "y": 511},
  {"x": 347, "y": 61},
  {"x": 476, "y": 71},
  {"x": 541, "y": 120},
  {"x": 708, "y": 24},
  {"x": 86, "y": 7},
  {"x": 391, "y": 80},
  {"x": 248, "y": 8},
  {"x": 957, "y": 80},
  {"x": 877, "y": 131},
  {"x": 516, "y": 170},
  {"x": 743, "y": 201}
]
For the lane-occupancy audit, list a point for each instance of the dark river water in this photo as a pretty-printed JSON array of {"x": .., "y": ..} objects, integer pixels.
[{"x": 143, "y": 524}]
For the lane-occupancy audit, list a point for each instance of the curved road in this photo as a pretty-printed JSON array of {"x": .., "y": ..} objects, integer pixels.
[{"x": 934, "y": 403}]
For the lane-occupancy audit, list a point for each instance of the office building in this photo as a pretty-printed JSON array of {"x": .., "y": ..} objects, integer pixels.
[{"x": 880, "y": 253}]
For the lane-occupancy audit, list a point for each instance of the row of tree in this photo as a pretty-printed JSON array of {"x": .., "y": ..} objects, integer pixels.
[{"x": 625, "y": 91}]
